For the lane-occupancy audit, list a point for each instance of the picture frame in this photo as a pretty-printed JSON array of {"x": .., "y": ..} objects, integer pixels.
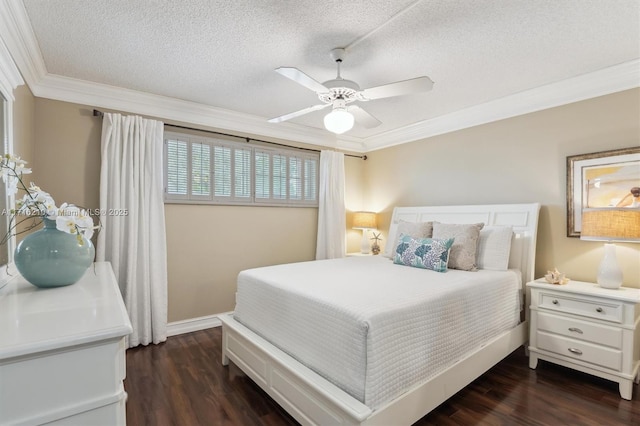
[{"x": 600, "y": 179}]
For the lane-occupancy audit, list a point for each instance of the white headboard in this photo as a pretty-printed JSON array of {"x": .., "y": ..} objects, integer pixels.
[{"x": 522, "y": 217}]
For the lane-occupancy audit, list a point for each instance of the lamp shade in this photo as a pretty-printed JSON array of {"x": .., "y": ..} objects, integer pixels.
[
  {"x": 338, "y": 121},
  {"x": 611, "y": 224},
  {"x": 364, "y": 220}
]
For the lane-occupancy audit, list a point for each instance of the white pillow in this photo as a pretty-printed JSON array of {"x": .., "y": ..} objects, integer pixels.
[
  {"x": 415, "y": 230},
  {"x": 494, "y": 247}
]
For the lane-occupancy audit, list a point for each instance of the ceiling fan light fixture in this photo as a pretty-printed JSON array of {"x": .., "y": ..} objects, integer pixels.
[
  {"x": 338, "y": 121},
  {"x": 338, "y": 93}
]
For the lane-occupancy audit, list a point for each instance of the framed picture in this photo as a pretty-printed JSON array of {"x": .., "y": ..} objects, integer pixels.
[{"x": 601, "y": 179}]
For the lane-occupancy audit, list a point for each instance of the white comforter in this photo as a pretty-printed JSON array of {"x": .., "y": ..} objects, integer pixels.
[{"x": 373, "y": 328}]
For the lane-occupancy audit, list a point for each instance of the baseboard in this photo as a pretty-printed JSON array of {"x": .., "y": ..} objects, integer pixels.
[{"x": 193, "y": 324}]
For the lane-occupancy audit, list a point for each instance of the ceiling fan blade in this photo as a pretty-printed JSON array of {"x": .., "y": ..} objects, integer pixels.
[
  {"x": 406, "y": 87},
  {"x": 301, "y": 78},
  {"x": 298, "y": 113},
  {"x": 363, "y": 118}
]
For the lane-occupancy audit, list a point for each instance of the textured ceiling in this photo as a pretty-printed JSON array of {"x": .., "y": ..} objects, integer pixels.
[{"x": 222, "y": 53}]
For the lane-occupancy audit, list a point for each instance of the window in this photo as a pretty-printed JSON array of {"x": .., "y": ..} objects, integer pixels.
[{"x": 214, "y": 171}]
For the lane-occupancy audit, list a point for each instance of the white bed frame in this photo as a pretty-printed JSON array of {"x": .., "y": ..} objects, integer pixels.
[{"x": 312, "y": 400}]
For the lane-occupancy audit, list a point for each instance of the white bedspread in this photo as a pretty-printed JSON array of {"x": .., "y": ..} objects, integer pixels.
[{"x": 373, "y": 328}]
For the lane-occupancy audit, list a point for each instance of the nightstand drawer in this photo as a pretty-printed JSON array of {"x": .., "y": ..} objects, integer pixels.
[
  {"x": 584, "y": 326},
  {"x": 609, "y": 311},
  {"x": 581, "y": 330},
  {"x": 583, "y": 351}
]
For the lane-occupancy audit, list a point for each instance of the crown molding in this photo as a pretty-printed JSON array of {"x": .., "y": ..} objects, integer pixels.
[
  {"x": 166, "y": 108},
  {"x": 602, "y": 82},
  {"x": 10, "y": 77},
  {"x": 17, "y": 34},
  {"x": 609, "y": 80}
]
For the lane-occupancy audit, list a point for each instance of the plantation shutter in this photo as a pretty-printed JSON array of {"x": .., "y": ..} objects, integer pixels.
[
  {"x": 207, "y": 170},
  {"x": 311, "y": 180},
  {"x": 222, "y": 171},
  {"x": 177, "y": 170},
  {"x": 295, "y": 178},
  {"x": 242, "y": 163},
  {"x": 279, "y": 176},
  {"x": 201, "y": 170},
  {"x": 263, "y": 187}
]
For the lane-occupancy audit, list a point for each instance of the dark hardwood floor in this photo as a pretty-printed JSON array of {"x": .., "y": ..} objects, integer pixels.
[{"x": 182, "y": 382}]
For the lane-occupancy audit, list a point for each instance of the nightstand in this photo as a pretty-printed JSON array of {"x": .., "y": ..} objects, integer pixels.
[
  {"x": 588, "y": 328},
  {"x": 359, "y": 254}
]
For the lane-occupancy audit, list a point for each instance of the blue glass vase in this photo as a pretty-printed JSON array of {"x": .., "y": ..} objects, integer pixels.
[{"x": 52, "y": 258}]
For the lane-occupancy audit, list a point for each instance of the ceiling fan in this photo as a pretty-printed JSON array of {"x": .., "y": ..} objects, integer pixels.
[{"x": 340, "y": 93}]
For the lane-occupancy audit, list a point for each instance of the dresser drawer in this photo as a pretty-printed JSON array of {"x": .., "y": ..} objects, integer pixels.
[
  {"x": 582, "y": 330},
  {"x": 60, "y": 383},
  {"x": 608, "y": 311},
  {"x": 583, "y": 351}
]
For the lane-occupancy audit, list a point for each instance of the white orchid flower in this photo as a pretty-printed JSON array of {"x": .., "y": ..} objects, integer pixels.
[
  {"x": 12, "y": 185},
  {"x": 11, "y": 170},
  {"x": 6, "y": 173},
  {"x": 33, "y": 188},
  {"x": 16, "y": 160},
  {"x": 36, "y": 202},
  {"x": 73, "y": 220},
  {"x": 19, "y": 165},
  {"x": 10, "y": 160},
  {"x": 85, "y": 223}
]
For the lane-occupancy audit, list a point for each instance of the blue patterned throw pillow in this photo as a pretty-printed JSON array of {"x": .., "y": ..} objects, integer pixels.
[{"x": 426, "y": 253}]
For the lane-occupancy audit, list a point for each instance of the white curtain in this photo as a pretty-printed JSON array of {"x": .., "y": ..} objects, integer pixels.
[
  {"x": 133, "y": 236},
  {"x": 331, "y": 209}
]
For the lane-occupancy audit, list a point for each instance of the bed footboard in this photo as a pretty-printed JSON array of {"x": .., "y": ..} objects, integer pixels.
[
  {"x": 312, "y": 400},
  {"x": 308, "y": 397}
]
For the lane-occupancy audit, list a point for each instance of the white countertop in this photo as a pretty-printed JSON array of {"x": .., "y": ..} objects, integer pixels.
[{"x": 34, "y": 319}]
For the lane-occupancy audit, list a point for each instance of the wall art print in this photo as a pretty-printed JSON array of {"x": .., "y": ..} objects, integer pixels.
[{"x": 601, "y": 179}]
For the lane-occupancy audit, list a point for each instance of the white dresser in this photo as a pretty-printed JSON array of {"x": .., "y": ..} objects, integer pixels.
[
  {"x": 62, "y": 352},
  {"x": 588, "y": 328}
]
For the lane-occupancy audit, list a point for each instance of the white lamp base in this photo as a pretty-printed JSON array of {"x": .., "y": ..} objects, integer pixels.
[
  {"x": 364, "y": 244},
  {"x": 609, "y": 273}
]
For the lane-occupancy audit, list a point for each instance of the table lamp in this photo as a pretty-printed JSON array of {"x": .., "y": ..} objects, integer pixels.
[
  {"x": 610, "y": 224},
  {"x": 364, "y": 221}
]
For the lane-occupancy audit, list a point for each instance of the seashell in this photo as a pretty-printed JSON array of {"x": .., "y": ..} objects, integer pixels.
[{"x": 556, "y": 277}]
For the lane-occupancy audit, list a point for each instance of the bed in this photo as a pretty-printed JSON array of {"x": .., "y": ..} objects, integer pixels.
[{"x": 355, "y": 360}]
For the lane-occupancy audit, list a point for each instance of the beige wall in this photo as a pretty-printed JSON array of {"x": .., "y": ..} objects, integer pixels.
[
  {"x": 517, "y": 160},
  {"x": 354, "y": 198},
  {"x": 24, "y": 140},
  {"x": 24, "y": 123},
  {"x": 207, "y": 245},
  {"x": 67, "y": 152}
]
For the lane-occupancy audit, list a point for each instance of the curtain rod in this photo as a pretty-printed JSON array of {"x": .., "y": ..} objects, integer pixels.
[{"x": 98, "y": 113}]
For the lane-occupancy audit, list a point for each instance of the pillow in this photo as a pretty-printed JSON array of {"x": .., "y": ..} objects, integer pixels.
[
  {"x": 426, "y": 253},
  {"x": 464, "y": 249},
  {"x": 494, "y": 247},
  {"x": 413, "y": 229}
]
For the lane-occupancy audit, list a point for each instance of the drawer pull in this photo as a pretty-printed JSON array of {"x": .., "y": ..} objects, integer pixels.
[
  {"x": 575, "y": 351},
  {"x": 554, "y": 301},
  {"x": 575, "y": 330},
  {"x": 599, "y": 309}
]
